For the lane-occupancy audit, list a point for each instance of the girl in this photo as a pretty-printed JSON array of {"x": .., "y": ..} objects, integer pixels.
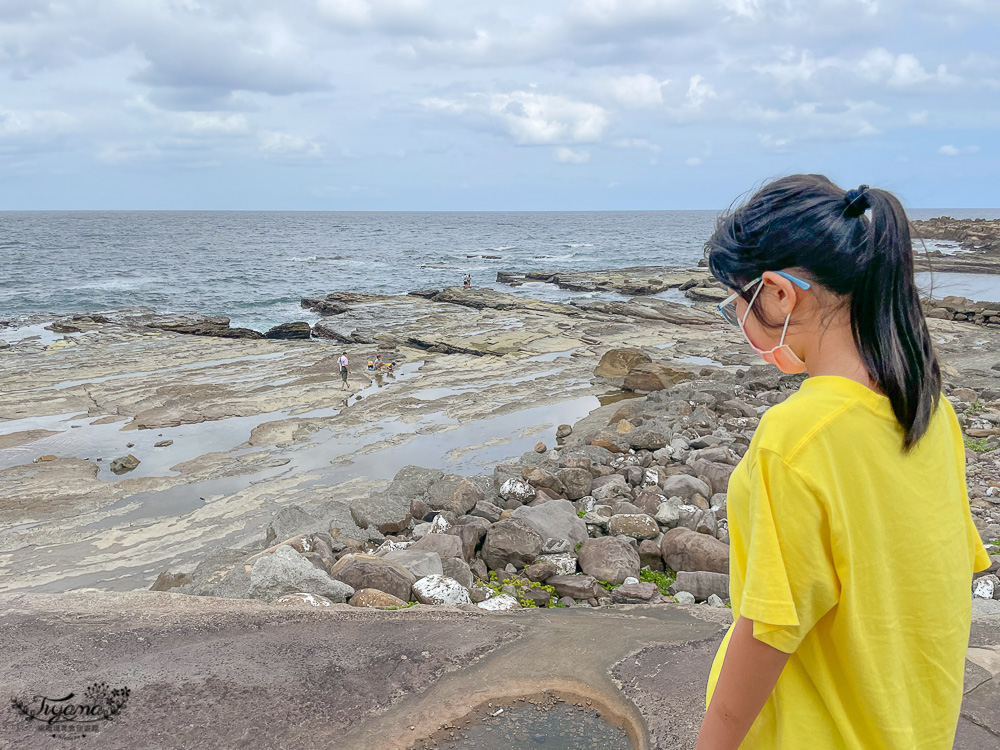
[{"x": 852, "y": 547}]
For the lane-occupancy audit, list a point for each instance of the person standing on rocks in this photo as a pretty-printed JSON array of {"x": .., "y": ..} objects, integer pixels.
[
  {"x": 345, "y": 370},
  {"x": 852, "y": 547}
]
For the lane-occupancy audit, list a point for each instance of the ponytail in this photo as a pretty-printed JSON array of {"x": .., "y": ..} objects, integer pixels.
[
  {"x": 888, "y": 322},
  {"x": 807, "y": 222}
]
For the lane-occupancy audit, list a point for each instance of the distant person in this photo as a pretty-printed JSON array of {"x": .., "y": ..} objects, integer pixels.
[
  {"x": 467, "y": 281},
  {"x": 379, "y": 364},
  {"x": 345, "y": 370},
  {"x": 852, "y": 547}
]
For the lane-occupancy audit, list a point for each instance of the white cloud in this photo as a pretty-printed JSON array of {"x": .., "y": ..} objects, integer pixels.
[
  {"x": 693, "y": 161},
  {"x": 950, "y": 150},
  {"x": 565, "y": 155},
  {"x": 637, "y": 143},
  {"x": 640, "y": 90},
  {"x": 275, "y": 142},
  {"x": 34, "y": 123},
  {"x": 699, "y": 92},
  {"x": 213, "y": 123},
  {"x": 901, "y": 71},
  {"x": 918, "y": 118},
  {"x": 531, "y": 118},
  {"x": 818, "y": 122}
]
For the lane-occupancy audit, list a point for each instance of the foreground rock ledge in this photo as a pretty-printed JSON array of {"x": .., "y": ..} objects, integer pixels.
[{"x": 237, "y": 673}]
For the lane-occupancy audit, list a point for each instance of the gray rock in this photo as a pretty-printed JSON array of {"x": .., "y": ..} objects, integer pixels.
[
  {"x": 370, "y": 572},
  {"x": 441, "y": 590},
  {"x": 649, "y": 440},
  {"x": 221, "y": 573},
  {"x": 702, "y": 584},
  {"x": 511, "y": 542},
  {"x": 566, "y": 601},
  {"x": 124, "y": 464},
  {"x": 557, "y": 546},
  {"x": 715, "y": 601},
  {"x": 458, "y": 569},
  {"x": 563, "y": 431},
  {"x": 518, "y": 490},
  {"x": 685, "y": 487},
  {"x": 285, "y": 571},
  {"x": 575, "y": 586},
  {"x": 649, "y": 555},
  {"x": 469, "y": 535},
  {"x": 555, "y": 519},
  {"x": 985, "y": 607},
  {"x": 687, "y": 550},
  {"x": 487, "y": 510},
  {"x": 576, "y": 482},
  {"x": 298, "y": 330},
  {"x": 668, "y": 512},
  {"x": 609, "y": 558},
  {"x": 541, "y": 571},
  {"x": 290, "y": 521},
  {"x": 609, "y": 488},
  {"x": 420, "y": 563},
  {"x": 389, "y": 513},
  {"x": 456, "y": 494},
  {"x": 684, "y": 597},
  {"x": 445, "y": 545},
  {"x": 633, "y": 593},
  {"x": 635, "y": 525}
]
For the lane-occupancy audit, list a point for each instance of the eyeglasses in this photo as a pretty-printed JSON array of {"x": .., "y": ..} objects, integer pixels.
[{"x": 727, "y": 308}]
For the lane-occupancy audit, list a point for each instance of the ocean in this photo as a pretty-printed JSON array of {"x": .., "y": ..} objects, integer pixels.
[{"x": 254, "y": 267}]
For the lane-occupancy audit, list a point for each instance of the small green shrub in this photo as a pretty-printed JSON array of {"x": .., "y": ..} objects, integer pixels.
[
  {"x": 581, "y": 513},
  {"x": 979, "y": 445},
  {"x": 663, "y": 581}
]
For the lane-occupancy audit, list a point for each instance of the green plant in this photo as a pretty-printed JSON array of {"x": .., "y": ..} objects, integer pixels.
[
  {"x": 577, "y": 547},
  {"x": 608, "y": 585},
  {"x": 979, "y": 445},
  {"x": 663, "y": 581},
  {"x": 581, "y": 513},
  {"x": 527, "y": 603},
  {"x": 975, "y": 408}
]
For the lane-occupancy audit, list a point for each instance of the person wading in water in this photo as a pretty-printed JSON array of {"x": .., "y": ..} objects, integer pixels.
[{"x": 852, "y": 547}]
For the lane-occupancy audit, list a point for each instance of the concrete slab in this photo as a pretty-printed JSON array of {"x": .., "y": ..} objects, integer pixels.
[{"x": 242, "y": 674}]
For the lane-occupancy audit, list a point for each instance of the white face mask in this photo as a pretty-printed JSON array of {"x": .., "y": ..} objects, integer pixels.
[{"x": 780, "y": 356}]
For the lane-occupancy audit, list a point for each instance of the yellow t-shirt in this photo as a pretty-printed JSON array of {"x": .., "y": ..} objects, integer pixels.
[{"x": 856, "y": 559}]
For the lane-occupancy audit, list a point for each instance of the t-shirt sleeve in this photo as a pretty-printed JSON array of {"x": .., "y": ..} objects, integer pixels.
[{"x": 791, "y": 579}]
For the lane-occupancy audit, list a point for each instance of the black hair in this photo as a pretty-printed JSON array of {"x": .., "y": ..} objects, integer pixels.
[{"x": 806, "y": 222}]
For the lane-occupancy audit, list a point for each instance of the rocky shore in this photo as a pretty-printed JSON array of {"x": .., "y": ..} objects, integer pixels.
[
  {"x": 629, "y": 507},
  {"x": 978, "y": 238},
  {"x": 578, "y": 452}
]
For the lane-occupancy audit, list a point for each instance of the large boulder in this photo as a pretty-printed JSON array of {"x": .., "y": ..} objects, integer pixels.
[
  {"x": 440, "y": 590},
  {"x": 511, "y": 542},
  {"x": 646, "y": 439},
  {"x": 371, "y": 572},
  {"x": 633, "y": 593},
  {"x": 124, "y": 464},
  {"x": 457, "y": 568},
  {"x": 446, "y": 545},
  {"x": 717, "y": 473},
  {"x": 685, "y": 487},
  {"x": 654, "y": 376},
  {"x": 285, "y": 571},
  {"x": 386, "y": 512},
  {"x": 376, "y": 599},
  {"x": 420, "y": 563},
  {"x": 616, "y": 363},
  {"x": 577, "y": 483},
  {"x": 517, "y": 490},
  {"x": 609, "y": 558},
  {"x": 555, "y": 519},
  {"x": 457, "y": 494},
  {"x": 576, "y": 586},
  {"x": 635, "y": 525},
  {"x": 290, "y": 521},
  {"x": 610, "y": 487},
  {"x": 687, "y": 550},
  {"x": 702, "y": 584}
]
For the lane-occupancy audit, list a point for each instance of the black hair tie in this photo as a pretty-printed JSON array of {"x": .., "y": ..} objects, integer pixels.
[{"x": 856, "y": 202}]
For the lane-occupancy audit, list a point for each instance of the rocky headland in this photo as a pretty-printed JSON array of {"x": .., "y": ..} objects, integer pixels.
[{"x": 979, "y": 240}]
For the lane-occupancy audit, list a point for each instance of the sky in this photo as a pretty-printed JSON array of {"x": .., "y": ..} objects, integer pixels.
[{"x": 449, "y": 105}]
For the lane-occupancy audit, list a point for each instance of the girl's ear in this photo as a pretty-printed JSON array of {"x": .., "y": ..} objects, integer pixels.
[{"x": 785, "y": 292}]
